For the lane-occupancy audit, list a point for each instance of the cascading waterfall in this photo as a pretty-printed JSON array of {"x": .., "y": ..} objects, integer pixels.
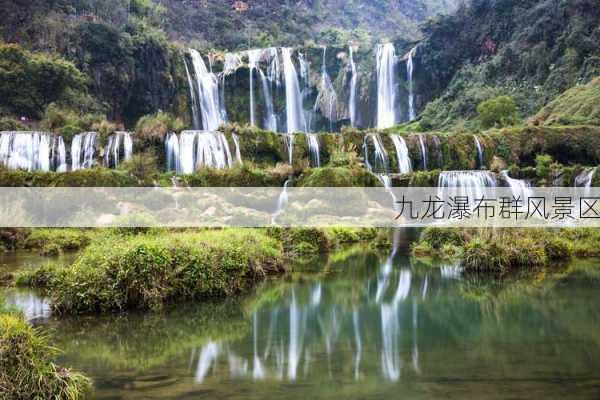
[
  {"x": 32, "y": 151},
  {"x": 585, "y": 178},
  {"x": 404, "y": 163},
  {"x": 83, "y": 150},
  {"x": 479, "y": 148},
  {"x": 208, "y": 93},
  {"x": 465, "y": 183},
  {"x": 353, "y": 82},
  {"x": 282, "y": 201},
  {"x": 386, "y": 86},
  {"x": 253, "y": 60},
  {"x": 120, "y": 147},
  {"x": 312, "y": 141},
  {"x": 423, "y": 149},
  {"x": 293, "y": 100},
  {"x": 381, "y": 161},
  {"x": 196, "y": 122},
  {"x": 519, "y": 187},
  {"x": 327, "y": 98},
  {"x": 59, "y": 154},
  {"x": 409, "y": 74},
  {"x": 197, "y": 149}
]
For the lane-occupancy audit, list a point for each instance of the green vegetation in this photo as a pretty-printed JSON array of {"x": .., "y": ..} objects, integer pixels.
[
  {"x": 26, "y": 369},
  {"x": 153, "y": 128},
  {"x": 57, "y": 241},
  {"x": 531, "y": 50},
  {"x": 96, "y": 177},
  {"x": 503, "y": 249},
  {"x": 497, "y": 112},
  {"x": 579, "y": 105},
  {"x": 29, "y": 82},
  {"x": 147, "y": 271}
]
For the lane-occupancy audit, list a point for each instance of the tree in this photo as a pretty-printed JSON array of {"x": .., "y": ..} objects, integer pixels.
[{"x": 499, "y": 111}]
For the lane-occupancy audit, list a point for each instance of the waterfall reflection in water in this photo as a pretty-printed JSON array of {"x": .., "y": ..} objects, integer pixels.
[{"x": 370, "y": 319}]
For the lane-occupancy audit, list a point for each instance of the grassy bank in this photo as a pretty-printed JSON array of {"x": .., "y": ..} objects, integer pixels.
[
  {"x": 506, "y": 249},
  {"x": 123, "y": 270},
  {"x": 26, "y": 369}
]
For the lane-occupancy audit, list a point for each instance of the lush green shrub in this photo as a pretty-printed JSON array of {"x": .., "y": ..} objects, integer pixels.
[
  {"x": 558, "y": 249},
  {"x": 153, "y": 128},
  {"x": 482, "y": 255},
  {"x": 542, "y": 165},
  {"x": 11, "y": 124},
  {"x": 147, "y": 271},
  {"x": 302, "y": 241},
  {"x": 31, "y": 81},
  {"x": 57, "y": 241},
  {"x": 438, "y": 237},
  {"x": 337, "y": 177},
  {"x": 142, "y": 166},
  {"x": 26, "y": 369},
  {"x": 499, "y": 111}
]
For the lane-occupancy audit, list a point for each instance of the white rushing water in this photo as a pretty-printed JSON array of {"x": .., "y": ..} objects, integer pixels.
[
  {"x": 585, "y": 178},
  {"x": 465, "y": 183},
  {"x": 83, "y": 150},
  {"x": 312, "y": 142},
  {"x": 353, "y": 82},
  {"x": 409, "y": 76},
  {"x": 480, "y": 159},
  {"x": 119, "y": 148},
  {"x": 404, "y": 162},
  {"x": 293, "y": 100},
  {"x": 423, "y": 149},
  {"x": 253, "y": 60},
  {"x": 32, "y": 151},
  {"x": 386, "y": 86},
  {"x": 198, "y": 149},
  {"x": 207, "y": 86},
  {"x": 327, "y": 98},
  {"x": 519, "y": 187}
]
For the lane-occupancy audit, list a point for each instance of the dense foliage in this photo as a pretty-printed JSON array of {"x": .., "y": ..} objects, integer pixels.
[{"x": 531, "y": 50}]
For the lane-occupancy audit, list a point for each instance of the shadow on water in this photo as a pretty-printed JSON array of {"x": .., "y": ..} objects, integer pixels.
[{"x": 356, "y": 324}]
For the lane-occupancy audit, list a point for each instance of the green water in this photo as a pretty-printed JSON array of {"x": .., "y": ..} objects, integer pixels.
[{"x": 357, "y": 325}]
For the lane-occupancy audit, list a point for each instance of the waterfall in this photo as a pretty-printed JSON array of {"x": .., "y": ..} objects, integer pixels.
[
  {"x": 404, "y": 163},
  {"x": 409, "y": 74},
  {"x": 270, "y": 121},
  {"x": 480, "y": 158},
  {"x": 381, "y": 160},
  {"x": 208, "y": 93},
  {"x": 118, "y": 143},
  {"x": 288, "y": 140},
  {"x": 585, "y": 178},
  {"x": 83, "y": 150},
  {"x": 197, "y": 149},
  {"x": 465, "y": 183},
  {"x": 253, "y": 60},
  {"x": 195, "y": 105},
  {"x": 386, "y": 90},
  {"x": 327, "y": 98},
  {"x": 59, "y": 154},
  {"x": 353, "y": 81},
  {"x": 293, "y": 100},
  {"x": 281, "y": 201},
  {"x": 423, "y": 152},
  {"x": 312, "y": 141},
  {"x": 274, "y": 67},
  {"x": 519, "y": 188},
  {"x": 236, "y": 142},
  {"x": 32, "y": 151}
]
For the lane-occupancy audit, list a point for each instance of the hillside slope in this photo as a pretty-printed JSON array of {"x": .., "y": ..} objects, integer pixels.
[{"x": 532, "y": 50}]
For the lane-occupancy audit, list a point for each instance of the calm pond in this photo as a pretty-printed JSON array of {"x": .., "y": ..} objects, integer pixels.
[{"x": 356, "y": 324}]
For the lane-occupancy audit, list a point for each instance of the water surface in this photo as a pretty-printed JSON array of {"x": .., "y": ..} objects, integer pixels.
[{"x": 357, "y": 325}]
